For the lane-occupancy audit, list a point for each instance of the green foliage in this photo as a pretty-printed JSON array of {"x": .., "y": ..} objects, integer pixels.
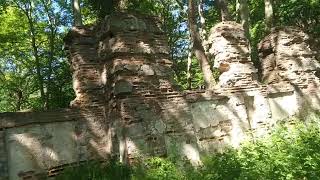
[
  {"x": 53, "y": 18},
  {"x": 19, "y": 82},
  {"x": 290, "y": 152},
  {"x": 161, "y": 169},
  {"x": 222, "y": 166},
  {"x": 97, "y": 171},
  {"x": 302, "y": 13},
  {"x": 151, "y": 169},
  {"x": 195, "y": 71}
]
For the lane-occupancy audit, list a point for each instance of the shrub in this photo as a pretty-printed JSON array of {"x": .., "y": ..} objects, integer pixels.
[
  {"x": 97, "y": 171},
  {"x": 222, "y": 166},
  {"x": 162, "y": 169}
]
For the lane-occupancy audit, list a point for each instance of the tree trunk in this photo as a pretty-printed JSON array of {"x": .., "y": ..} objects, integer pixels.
[
  {"x": 202, "y": 20},
  {"x": 19, "y": 96},
  {"x": 243, "y": 10},
  {"x": 268, "y": 10},
  {"x": 197, "y": 46},
  {"x": 222, "y": 6},
  {"x": 189, "y": 63},
  {"x": 28, "y": 12},
  {"x": 77, "y": 19},
  {"x": 52, "y": 36}
]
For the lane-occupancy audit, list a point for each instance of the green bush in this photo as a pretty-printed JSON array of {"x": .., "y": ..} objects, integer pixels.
[
  {"x": 289, "y": 152},
  {"x": 97, "y": 171},
  {"x": 221, "y": 166},
  {"x": 162, "y": 169}
]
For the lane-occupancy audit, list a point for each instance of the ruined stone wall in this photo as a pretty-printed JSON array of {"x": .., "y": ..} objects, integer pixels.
[
  {"x": 36, "y": 145},
  {"x": 230, "y": 49},
  {"x": 290, "y": 68},
  {"x": 128, "y": 106},
  {"x": 89, "y": 84},
  {"x": 239, "y": 78}
]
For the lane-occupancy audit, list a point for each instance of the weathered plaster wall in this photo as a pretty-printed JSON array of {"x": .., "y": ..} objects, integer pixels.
[
  {"x": 127, "y": 104},
  {"x": 3, "y": 156},
  {"x": 39, "y": 144},
  {"x": 38, "y": 147}
]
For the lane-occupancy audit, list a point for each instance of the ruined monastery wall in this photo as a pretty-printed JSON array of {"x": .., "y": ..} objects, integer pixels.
[{"x": 127, "y": 104}]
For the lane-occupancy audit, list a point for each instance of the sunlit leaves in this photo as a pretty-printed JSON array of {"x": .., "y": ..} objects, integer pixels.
[{"x": 18, "y": 80}]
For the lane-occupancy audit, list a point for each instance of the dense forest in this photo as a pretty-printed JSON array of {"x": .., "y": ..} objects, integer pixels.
[{"x": 34, "y": 69}]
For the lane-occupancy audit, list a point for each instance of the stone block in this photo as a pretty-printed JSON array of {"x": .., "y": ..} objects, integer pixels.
[{"x": 123, "y": 87}]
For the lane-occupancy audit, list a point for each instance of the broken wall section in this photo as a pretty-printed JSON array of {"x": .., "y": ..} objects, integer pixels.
[
  {"x": 290, "y": 68},
  {"x": 239, "y": 78},
  {"x": 89, "y": 84},
  {"x": 231, "y": 53},
  {"x": 144, "y": 104}
]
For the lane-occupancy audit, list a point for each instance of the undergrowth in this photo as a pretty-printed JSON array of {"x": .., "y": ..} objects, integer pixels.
[{"x": 291, "y": 151}]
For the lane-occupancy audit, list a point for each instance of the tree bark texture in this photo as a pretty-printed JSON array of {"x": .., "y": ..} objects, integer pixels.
[
  {"x": 222, "y": 6},
  {"x": 198, "y": 49},
  {"x": 77, "y": 18},
  {"x": 243, "y": 10},
  {"x": 29, "y": 14},
  {"x": 268, "y": 10}
]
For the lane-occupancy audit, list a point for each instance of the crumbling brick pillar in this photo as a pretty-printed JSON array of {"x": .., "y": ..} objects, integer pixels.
[
  {"x": 139, "y": 77},
  {"x": 89, "y": 80},
  {"x": 289, "y": 64},
  {"x": 231, "y": 52}
]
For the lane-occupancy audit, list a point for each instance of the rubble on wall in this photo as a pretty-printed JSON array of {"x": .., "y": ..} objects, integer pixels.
[
  {"x": 286, "y": 58},
  {"x": 231, "y": 53}
]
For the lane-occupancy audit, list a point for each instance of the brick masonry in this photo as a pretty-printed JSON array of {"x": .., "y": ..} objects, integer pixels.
[{"x": 128, "y": 105}]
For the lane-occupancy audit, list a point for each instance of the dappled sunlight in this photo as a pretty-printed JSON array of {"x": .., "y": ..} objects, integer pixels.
[
  {"x": 39, "y": 148},
  {"x": 191, "y": 153}
]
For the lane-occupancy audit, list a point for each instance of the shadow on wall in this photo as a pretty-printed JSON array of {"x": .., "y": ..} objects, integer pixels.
[{"x": 41, "y": 144}]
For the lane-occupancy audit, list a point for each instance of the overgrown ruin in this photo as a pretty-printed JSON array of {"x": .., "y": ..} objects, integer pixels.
[{"x": 127, "y": 104}]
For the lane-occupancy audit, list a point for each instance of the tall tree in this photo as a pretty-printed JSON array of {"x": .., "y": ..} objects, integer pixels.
[
  {"x": 222, "y": 5},
  {"x": 202, "y": 20},
  {"x": 197, "y": 45},
  {"x": 77, "y": 17},
  {"x": 28, "y": 8},
  {"x": 34, "y": 73},
  {"x": 52, "y": 25},
  {"x": 105, "y": 7},
  {"x": 268, "y": 10}
]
